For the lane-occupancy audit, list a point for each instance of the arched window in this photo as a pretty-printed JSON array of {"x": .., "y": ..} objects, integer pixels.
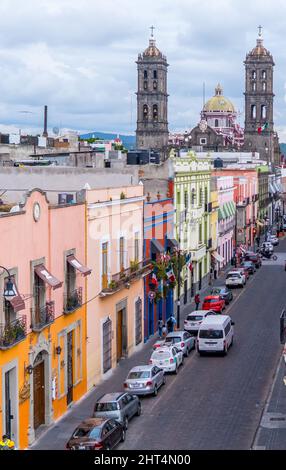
[
  {"x": 145, "y": 112},
  {"x": 154, "y": 85},
  {"x": 254, "y": 86},
  {"x": 145, "y": 74},
  {"x": 263, "y": 74},
  {"x": 263, "y": 111},
  {"x": 155, "y": 74},
  {"x": 253, "y": 111},
  {"x": 145, "y": 85},
  {"x": 193, "y": 197},
  {"x": 253, "y": 74},
  {"x": 155, "y": 112},
  {"x": 264, "y": 86},
  {"x": 216, "y": 123}
]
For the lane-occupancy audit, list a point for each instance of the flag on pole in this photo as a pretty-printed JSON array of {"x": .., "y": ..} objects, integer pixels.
[
  {"x": 171, "y": 275},
  {"x": 154, "y": 280},
  {"x": 262, "y": 128}
]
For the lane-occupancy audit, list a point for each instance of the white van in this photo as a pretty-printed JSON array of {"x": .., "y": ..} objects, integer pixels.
[{"x": 215, "y": 334}]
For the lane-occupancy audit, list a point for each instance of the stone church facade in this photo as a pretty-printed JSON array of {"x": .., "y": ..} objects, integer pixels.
[{"x": 152, "y": 100}]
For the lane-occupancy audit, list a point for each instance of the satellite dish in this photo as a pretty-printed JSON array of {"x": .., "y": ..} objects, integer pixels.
[{"x": 56, "y": 130}]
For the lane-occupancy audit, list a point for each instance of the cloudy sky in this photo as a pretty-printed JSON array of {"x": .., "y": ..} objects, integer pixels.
[{"x": 78, "y": 57}]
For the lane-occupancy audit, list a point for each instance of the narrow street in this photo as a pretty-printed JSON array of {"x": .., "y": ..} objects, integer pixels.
[{"x": 214, "y": 402}]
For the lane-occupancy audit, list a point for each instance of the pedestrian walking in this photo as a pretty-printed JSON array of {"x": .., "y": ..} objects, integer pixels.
[
  {"x": 171, "y": 323},
  {"x": 215, "y": 273},
  {"x": 164, "y": 331},
  {"x": 160, "y": 326},
  {"x": 197, "y": 301}
]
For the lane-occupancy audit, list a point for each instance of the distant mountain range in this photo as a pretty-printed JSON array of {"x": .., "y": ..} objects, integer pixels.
[{"x": 128, "y": 141}]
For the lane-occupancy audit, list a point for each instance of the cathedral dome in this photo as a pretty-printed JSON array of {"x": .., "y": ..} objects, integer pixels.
[
  {"x": 259, "y": 50},
  {"x": 219, "y": 103},
  {"x": 152, "y": 50}
]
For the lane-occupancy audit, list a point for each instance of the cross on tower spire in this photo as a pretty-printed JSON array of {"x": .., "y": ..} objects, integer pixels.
[
  {"x": 260, "y": 31},
  {"x": 152, "y": 31}
]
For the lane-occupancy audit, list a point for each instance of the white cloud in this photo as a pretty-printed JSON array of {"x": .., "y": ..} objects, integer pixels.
[{"x": 79, "y": 57}]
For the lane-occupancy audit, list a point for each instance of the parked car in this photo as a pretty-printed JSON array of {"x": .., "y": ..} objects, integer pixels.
[
  {"x": 96, "y": 434},
  {"x": 235, "y": 279},
  {"x": 182, "y": 340},
  {"x": 215, "y": 334},
  {"x": 213, "y": 302},
  {"x": 223, "y": 292},
  {"x": 167, "y": 358},
  {"x": 274, "y": 240},
  {"x": 120, "y": 406},
  {"x": 194, "y": 319},
  {"x": 243, "y": 271},
  {"x": 254, "y": 257},
  {"x": 145, "y": 380},
  {"x": 249, "y": 266}
]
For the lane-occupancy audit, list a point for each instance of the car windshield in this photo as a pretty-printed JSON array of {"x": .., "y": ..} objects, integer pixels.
[
  {"x": 159, "y": 355},
  {"x": 140, "y": 374},
  {"x": 106, "y": 406},
  {"x": 173, "y": 339},
  {"x": 212, "y": 301},
  {"x": 211, "y": 334},
  {"x": 195, "y": 317},
  {"x": 87, "y": 432},
  {"x": 233, "y": 275},
  {"x": 217, "y": 291}
]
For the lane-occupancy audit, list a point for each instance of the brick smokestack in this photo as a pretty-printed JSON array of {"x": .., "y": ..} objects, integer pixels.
[{"x": 45, "y": 133}]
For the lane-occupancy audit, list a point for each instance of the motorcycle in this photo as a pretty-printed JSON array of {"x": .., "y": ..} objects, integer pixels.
[{"x": 267, "y": 255}]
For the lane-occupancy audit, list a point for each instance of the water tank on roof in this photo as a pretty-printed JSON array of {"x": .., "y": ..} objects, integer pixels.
[{"x": 218, "y": 163}]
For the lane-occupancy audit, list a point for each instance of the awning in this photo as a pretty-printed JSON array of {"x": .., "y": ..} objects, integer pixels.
[
  {"x": 277, "y": 190},
  {"x": 232, "y": 207},
  {"x": 16, "y": 301},
  {"x": 227, "y": 209},
  {"x": 271, "y": 188},
  {"x": 221, "y": 213},
  {"x": 156, "y": 247},
  {"x": 47, "y": 277},
  {"x": 172, "y": 243},
  {"x": 71, "y": 259},
  {"x": 217, "y": 256}
]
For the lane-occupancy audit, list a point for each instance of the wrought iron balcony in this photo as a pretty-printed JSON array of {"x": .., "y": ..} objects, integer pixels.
[
  {"x": 44, "y": 316},
  {"x": 13, "y": 332},
  {"x": 125, "y": 277},
  {"x": 73, "y": 300}
]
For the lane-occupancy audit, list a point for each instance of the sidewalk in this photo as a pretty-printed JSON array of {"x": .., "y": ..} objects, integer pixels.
[
  {"x": 56, "y": 436},
  {"x": 271, "y": 434}
]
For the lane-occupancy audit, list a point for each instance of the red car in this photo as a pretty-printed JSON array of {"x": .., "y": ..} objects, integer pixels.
[{"x": 214, "y": 302}]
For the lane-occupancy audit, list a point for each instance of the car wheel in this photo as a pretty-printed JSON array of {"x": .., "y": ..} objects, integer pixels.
[
  {"x": 139, "y": 410},
  {"x": 155, "y": 393},
  {"x": 182, "y": 363},
  {"x": 123, "y": 435},
  {"x": 107, "y": 448},
  {"x": 187, "y": 352},
  {"x": 176, "y": 370},
  {"x": 125, "y": 424},
  {"x": 225, "y": 351},
  {"x": 164, "y": 380}
]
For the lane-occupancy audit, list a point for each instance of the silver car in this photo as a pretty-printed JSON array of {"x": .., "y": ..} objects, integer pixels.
[
  {"x": 119, "y": 406},
  {"x": 182, "y": 340},
  {"x": 144, "y": 380}
]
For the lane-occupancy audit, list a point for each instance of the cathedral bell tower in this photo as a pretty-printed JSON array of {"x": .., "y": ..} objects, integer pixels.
[
  {"x": 259, "y": 135},
  {"x": 152, "y": 99}
]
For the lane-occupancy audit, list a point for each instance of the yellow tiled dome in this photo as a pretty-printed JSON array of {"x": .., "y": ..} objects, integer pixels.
[{"x": 219, "y": 102}]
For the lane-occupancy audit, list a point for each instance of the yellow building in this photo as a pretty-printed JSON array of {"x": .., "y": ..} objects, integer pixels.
[{"x": 214, "y": 225}]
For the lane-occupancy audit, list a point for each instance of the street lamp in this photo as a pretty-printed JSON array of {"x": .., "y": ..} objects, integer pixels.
[{"x": 9, "y": 288}]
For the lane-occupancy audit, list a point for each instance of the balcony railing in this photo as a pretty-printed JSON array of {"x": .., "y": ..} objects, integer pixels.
[
  {"x": 13, "y": 332},
  {"x": 124, "y": 278},
  {"x": 44, "y": 316},
  {"x": 73, "y": 300}
]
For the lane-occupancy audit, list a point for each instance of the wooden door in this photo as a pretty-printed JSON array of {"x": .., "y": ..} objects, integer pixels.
[
  {"x": 119, "y": 334},
  {"x": 70, "y": 367},
  {"x": 39, "y": 395}
]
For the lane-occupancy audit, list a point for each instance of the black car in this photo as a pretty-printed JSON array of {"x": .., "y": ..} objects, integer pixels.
[
  {"x": 249, "y": 266},
  {"x": 223, "y": 292},
  {"x": 97, "y": 434}
]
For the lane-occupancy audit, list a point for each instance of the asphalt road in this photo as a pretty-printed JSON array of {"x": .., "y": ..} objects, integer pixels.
[{"x": 217, "y": 402}]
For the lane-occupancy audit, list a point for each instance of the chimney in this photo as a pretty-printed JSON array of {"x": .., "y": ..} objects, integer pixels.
[{"x": 45, "y": 133}]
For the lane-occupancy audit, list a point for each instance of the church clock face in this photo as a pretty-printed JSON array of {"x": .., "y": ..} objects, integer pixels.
[{"x": 203, "y": 125}]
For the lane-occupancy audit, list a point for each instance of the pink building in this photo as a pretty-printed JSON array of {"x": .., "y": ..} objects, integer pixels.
[{"x": 226, "y": 218}]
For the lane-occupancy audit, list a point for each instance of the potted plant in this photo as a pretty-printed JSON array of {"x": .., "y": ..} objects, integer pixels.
[
  {"x": 134, "y": 266},
  {"x": 122, "y": 195},
  {"x": 112, "y": 284}
]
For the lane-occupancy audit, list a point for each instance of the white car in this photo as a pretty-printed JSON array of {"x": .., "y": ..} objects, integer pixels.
[
  {"x": 167, "y": 358},
  {"x": 182, "y": 340},
  {"x": 235, "y": 279},
  {"x": 194, "y": 319}
]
